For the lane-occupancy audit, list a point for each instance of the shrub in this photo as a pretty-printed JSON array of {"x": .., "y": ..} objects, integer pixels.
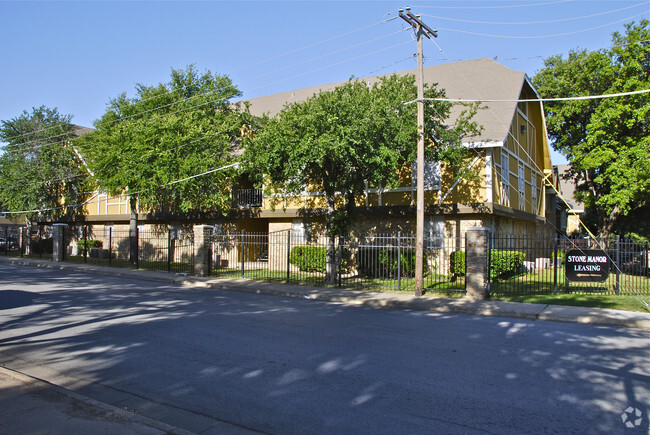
[
  {"x": 89, "y": 244},
  {"x": 383, "y": 262},
  {"x": 457, "y": 263},
  {"x": 41, "y": 246},
  {"x": 505, "y": 264},
  {"x": 309, "y": 258}
]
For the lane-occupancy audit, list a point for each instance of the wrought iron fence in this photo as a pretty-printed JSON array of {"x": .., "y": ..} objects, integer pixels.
[
  {"x": 158, "y": 249},
  {"x": 9, "y": 243},
  {"x": 627, "y": 260},
  {"x": 378, "y": 262},
  {"x": 531, "y": 265},
  {"x": 166, "y": 251},
  {"x": 516, "y": 265},
  {"x": 523, "y": 265}
]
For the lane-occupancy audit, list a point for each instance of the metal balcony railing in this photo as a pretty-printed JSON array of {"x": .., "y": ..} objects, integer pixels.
[{"x": 246, "y": 198}]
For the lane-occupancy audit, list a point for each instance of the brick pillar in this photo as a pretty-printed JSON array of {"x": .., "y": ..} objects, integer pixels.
[
  {"x": 58, "y": 242},
  {"x": 476, "y": 262},
  {"x": 202, "y": 235}
]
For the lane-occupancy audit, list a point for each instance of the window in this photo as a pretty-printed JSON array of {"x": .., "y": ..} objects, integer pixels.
[
  {"x": 434, "y": 232},
  {"x": 301, "y": 232},
  {"x": 431, "y": 175},
  {"x": 109, "y": 231},
  {"x": 505, "y": 177},
  {"x": 534, "y": 192}
]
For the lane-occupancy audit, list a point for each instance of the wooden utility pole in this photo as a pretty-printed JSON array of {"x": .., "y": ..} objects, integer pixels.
[{"x": 421, "y": 30}]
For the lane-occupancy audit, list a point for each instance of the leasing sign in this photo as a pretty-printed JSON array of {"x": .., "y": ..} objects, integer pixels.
[{"x": 587, "y": 265}]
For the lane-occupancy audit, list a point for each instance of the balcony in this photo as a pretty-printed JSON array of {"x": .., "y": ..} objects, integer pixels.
[{"x": 247, "y": 198}]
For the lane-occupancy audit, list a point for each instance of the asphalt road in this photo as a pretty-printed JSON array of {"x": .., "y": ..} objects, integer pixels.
[{"x": 279, "y": 365}]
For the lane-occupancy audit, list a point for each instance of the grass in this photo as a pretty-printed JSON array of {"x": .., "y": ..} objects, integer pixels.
[{"x": 617, "y": 302}]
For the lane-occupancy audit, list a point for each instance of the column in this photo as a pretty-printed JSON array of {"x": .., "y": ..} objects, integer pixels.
[
  {"x": 202, "y": 235},
  {"x": 476, "y": 262},
  {"x": 58, "y": 242}
]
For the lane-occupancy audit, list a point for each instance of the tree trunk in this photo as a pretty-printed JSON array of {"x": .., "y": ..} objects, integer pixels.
[
  {"x": 606, "y": 231},
  {"x": 330, "y": 252}
]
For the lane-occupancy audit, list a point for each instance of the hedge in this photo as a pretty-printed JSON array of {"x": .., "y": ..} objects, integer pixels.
[
  {"x": 41, "y": 246},
  {"x": 505, "y": 264},
  {"x": 457, "y": 263},
  {"x": 383, "y": 262},
  {"x": 309, "y": 258},
  {"x": 89, "y": 245}
]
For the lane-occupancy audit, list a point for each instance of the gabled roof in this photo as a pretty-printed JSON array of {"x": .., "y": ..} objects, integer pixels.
[{"x": 471, "y": 79}]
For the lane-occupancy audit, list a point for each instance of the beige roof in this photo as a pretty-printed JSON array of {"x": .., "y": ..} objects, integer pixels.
[
  {"x": 80, "y": 130},
  {"x": 471, "y": 79}
]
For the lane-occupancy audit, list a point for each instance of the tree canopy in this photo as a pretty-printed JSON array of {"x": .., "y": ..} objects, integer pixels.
[
  {"x": 607, "y": 141},
  {"x": 173, "y": 131},
  {"x": 339, "y": 140},
  {"x": 40, "y": 171}
]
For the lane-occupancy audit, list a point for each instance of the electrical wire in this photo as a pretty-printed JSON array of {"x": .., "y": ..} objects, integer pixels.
[
  {"x": 327, "y": 54},
  {"x": 586, "y": 97},
  {"x": 313, "y": 45},
  {"x": 372, "y": 73},
  {"x": 523, "y": 23},
  {"x": 128, "y": 194},
  {"x": 253, "y": 64},
  {"x": 199, "y": 105},
  {"x": 542, "y": 36},
  {"x": 525, "y": 5},
  {"x": 304, "y": 62},
  {"x": 335, "y": 64},
  {"x": 206, "y": 136}
]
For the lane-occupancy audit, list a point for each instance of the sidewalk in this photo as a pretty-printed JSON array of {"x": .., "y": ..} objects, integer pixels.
[
  {"x": 557, "y": 313},
  {"x": 32, "y": 406}
]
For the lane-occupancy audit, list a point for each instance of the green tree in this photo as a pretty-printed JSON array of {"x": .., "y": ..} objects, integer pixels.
[
  {"x": 337, "y": 141},
  {"x": 607, "y": 140},
  {"x": 40, "y": 172},
  {"x": 167, "y": 133}
]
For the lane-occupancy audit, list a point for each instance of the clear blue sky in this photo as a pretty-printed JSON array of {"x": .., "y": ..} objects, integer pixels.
[{"x": 77, "y": 55}]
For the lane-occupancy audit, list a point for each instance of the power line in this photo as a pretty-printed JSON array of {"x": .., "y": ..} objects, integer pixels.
[
  {"x": 314, "y": 44},
  {"x": 543, "y": 36},
  {"x": 586, "y": 97},
  {"x": 199, "y": 105},
  {"x": 326, "y": 55},
  {"x": 129, "y": 193},
  {"x": 285, "y": 68},
  {"x": 525, "y": 5},
  {"x": 559, "y": 20},
  {"x": 335, "y": 64},
  {"x": 251, "y": 65},
  {"x": 371, "y": 73}
]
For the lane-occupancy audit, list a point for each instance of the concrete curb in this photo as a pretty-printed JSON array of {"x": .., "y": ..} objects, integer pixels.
[{"x": 556, "y": 313}]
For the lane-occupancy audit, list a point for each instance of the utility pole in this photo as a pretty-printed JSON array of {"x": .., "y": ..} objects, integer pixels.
[{"x": 421, "y": 30}]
